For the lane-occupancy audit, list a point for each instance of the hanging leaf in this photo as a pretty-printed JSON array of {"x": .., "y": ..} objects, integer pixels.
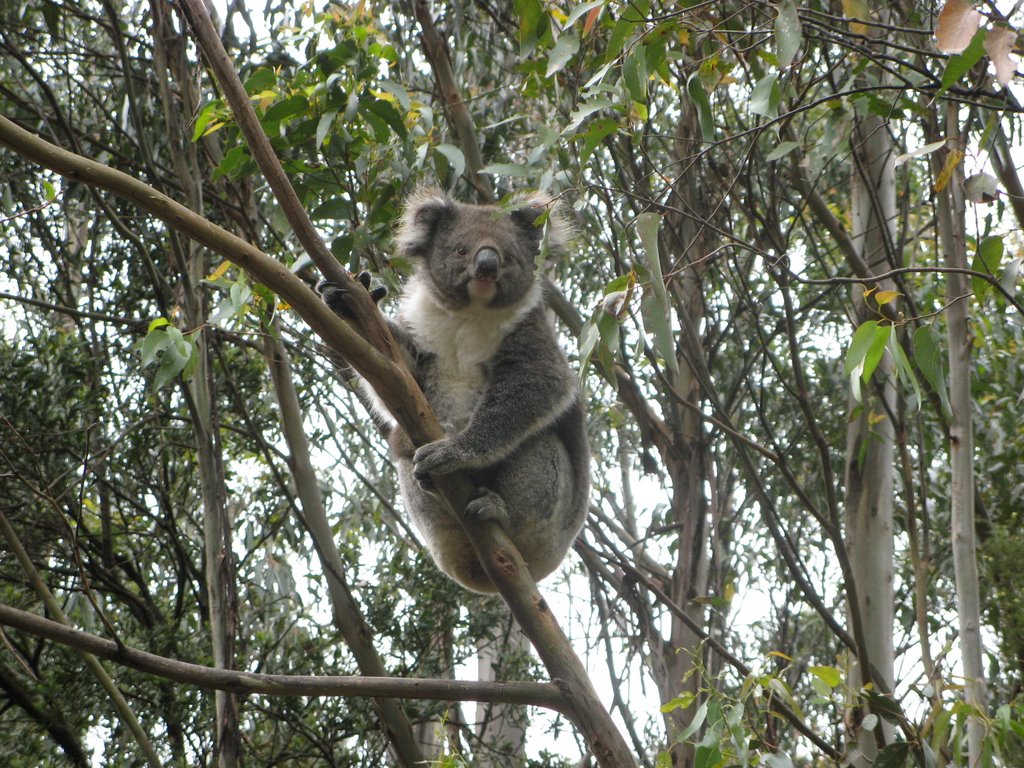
[
  {"x": 928, "y": 358},
  {"x": 1010, "y": 272},
  {"x": 566, "y": 47},
  {"x": 583, "y": 8},
  {"x": 831, "y": 676},
  {"x": 455, "y": 159},
  {"x": 952, "y": 161},
  {"x": 892, "y": 755},
  {"x": 961, "y": 64},
  {"x": 696, "y": 91},
  {"x": 904, "y": 370},
  {"x": 788, "y": 35},
  {"x": 765, "y": 97},
  {"x": 998, "y": 43},
  {"x": 958, "y": 22},
  {"x": 865, "y": 352},
  {"x": 927, "y": 149},
  {"x": 324, "y": 126},
  {"x": 987, "y": 260},
  {"x": 782, "y": 150},
  {"x": 654, "y": 305},
  {"x": 981, "y": 188},
  {"x": 597, "y": 131}
]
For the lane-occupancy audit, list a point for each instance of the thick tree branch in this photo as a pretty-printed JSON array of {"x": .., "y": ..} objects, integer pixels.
[
  {"x": 367, "y": 318},
  {"x": 436, "y": 50}
]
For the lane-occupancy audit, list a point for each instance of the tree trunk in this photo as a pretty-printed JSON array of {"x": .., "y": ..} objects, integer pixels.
[
  {"x": 501, "y": 728},
  {"x": 179, "y": 102},
  {"x": 952, "y": 238},
  {"x": 870, "y": 435}
]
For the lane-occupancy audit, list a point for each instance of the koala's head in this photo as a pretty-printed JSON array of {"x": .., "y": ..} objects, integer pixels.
[{"x": 478, "y": 255}]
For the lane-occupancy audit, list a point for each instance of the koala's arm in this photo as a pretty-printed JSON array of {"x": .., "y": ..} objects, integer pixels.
[
  {"x": 530, "y": 386},
  {"x": 337, "y": 299}
]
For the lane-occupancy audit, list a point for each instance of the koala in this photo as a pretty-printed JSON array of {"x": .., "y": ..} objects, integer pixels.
[{"x": 472, "y": 327}]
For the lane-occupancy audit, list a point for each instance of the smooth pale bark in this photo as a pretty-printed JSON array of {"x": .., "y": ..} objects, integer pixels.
[
  {"x": 501, "y": 728},
  {"x": 870, "y": 436},
  {"x": 953, "y": 241}
]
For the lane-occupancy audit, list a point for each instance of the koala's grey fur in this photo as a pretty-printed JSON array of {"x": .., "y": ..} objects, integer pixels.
[{"x": 472, "y": 324}]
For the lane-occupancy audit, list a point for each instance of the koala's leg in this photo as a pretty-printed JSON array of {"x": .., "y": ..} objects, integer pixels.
[
  {"x": 441, "y": 532},
  {"x": 537, "y": 484}
]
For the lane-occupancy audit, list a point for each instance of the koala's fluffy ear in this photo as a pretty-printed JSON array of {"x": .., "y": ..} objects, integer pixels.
[
  {"x": 425, "y": 208},
  {"x": 528, "y": 213}
]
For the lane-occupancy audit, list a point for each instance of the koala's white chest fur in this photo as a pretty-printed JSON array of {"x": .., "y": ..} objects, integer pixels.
[{"x": 462, "y": 342}]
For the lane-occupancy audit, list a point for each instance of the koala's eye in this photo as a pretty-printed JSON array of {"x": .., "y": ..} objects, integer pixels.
[{"x": 461, "y": 250}]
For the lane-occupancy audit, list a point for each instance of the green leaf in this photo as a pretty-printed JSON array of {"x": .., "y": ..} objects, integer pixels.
[
  {"x": 865, "y": 352},
  {"x": 152, "y": 346},
  {"x": 386, "y": 111},
  {"x": 209, "y": 111},
  {"x": 261, "y": 80},
  {"x": 862, "y": 339},
  {"x": 455, "y": 158},
  {"x": 654, "y": 304},
  {"x": 1008, "y": 279},
  {"x": 961, "y": 64},
  {"x": 695, "y": 723},
  {"x": 589, "y": 336},
  {"x": 513, "y": 170},
  {"x": 530, "y": 13},
  {"x": 778, "y": 760},
  {"x": 580, "y": 10},
  {"x": 766, "y": 96},
  {"x": 634, "y": 73},
  {"x": 904, "y": 370},
  {"x": 682, "y": 701},
  {"x": 596, "y": 132},
  {"x": 695, "y": 90},
  {"x": 831, "y": 676},
  {"x": 565, "y": 48},
  {"x": 892, "y": 755},
  {"x": 788, "y": 35},
  {"x": 987, "y": 260},
  {"x": 49, "y": 191},
  {"x": 584, "y": 110},
  {"x": 707, "y": 756},
  {"x": 928, "y": 357},
  {"x": 324, "y": 126},
  {"x": 285, "y": 110},
  {"x": 782, "y": 150}
]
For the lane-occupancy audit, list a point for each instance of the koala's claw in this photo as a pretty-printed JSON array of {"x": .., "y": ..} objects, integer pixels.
[
  {"x": 336, "y": 295},
  {"x": 488, "y": 506}
]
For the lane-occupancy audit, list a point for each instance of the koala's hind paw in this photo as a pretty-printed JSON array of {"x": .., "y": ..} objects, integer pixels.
[
  {"x": 488, "y": 506},
  {"x": 336, "y": 296}
]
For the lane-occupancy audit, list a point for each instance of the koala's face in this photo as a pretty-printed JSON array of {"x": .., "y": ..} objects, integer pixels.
[{"x": 472, "y": 254}]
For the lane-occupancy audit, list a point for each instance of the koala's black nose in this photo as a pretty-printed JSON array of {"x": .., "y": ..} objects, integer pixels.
[{"x": 486, "y": 263}]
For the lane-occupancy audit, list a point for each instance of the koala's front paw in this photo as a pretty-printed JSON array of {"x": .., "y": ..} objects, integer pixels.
[
  {"x": 440, "y": 457},
  {"x": 488, "y": 506},
  {"x": 337, "y": 296}
]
